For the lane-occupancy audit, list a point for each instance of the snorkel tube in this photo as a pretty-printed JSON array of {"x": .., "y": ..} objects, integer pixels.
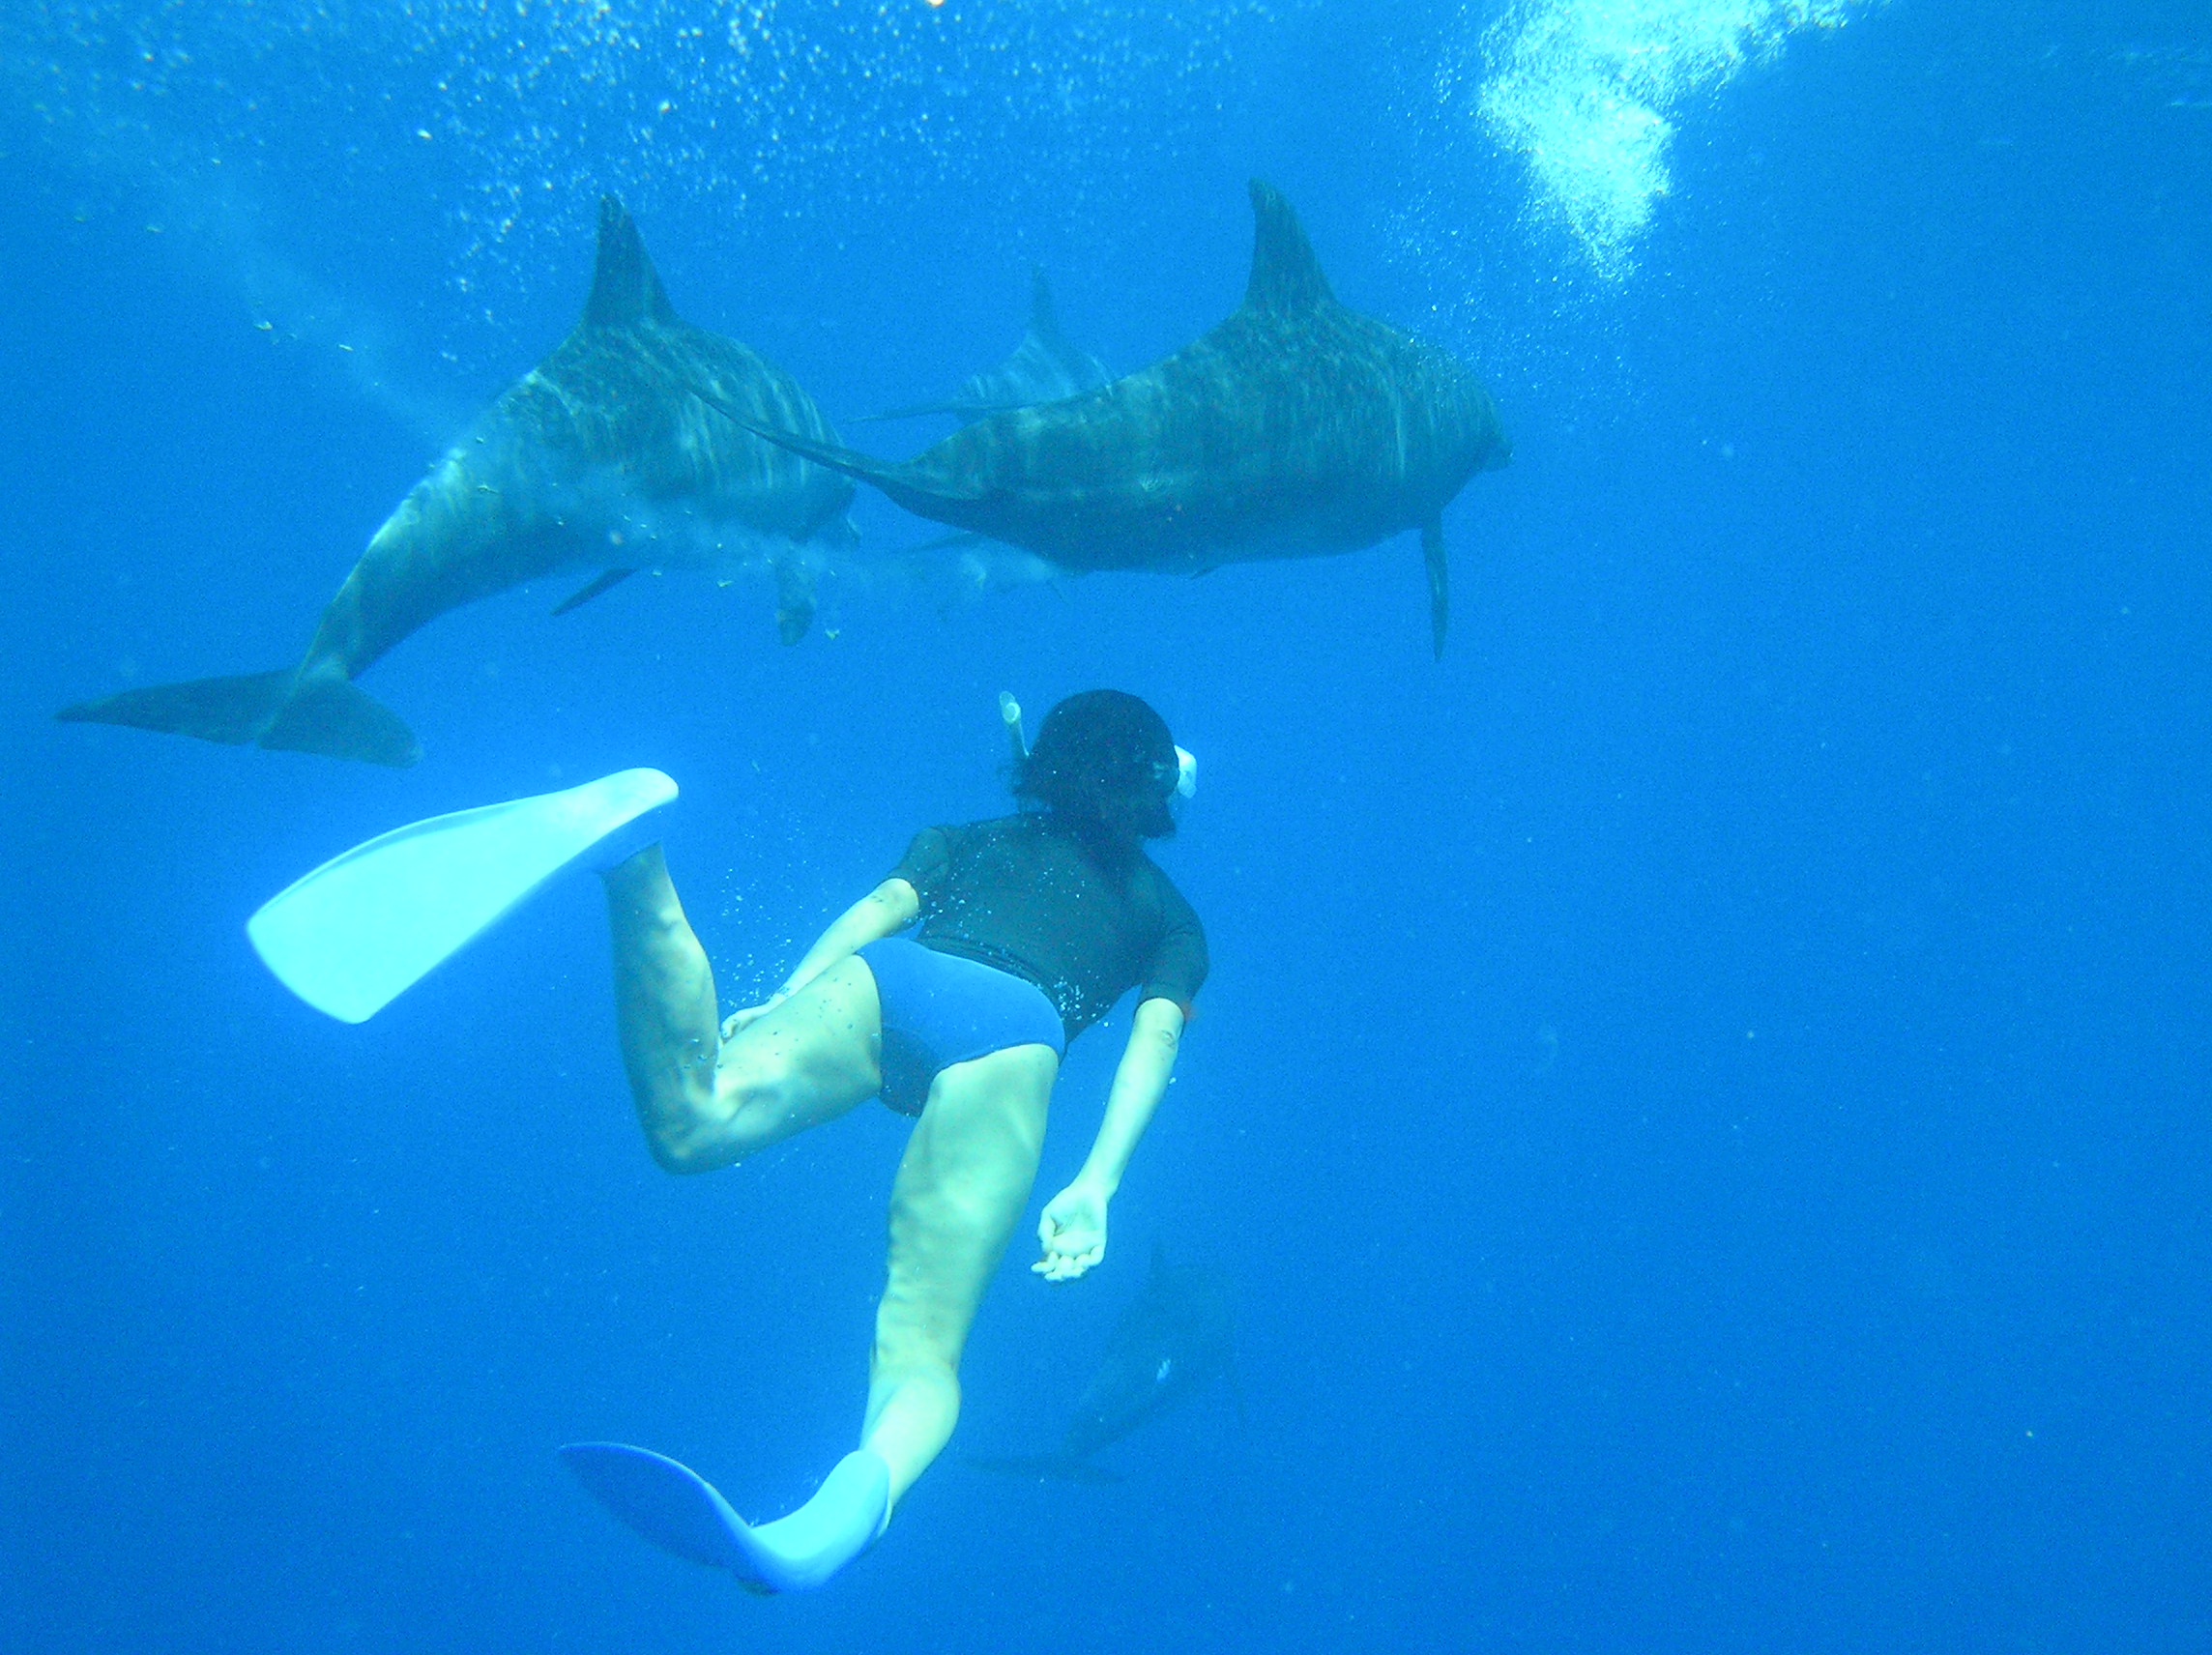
[{"x": 1010, "y": 713}]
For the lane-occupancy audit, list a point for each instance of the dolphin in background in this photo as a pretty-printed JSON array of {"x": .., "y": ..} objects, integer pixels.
[
  {"x": 1043, "y": 368},
  {"x": 618, "y": 450},
  {"x": 1172, "y": 1338},
  {"x": 1296, "y": 427}
]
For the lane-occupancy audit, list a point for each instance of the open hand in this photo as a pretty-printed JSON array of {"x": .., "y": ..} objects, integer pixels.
[{"x": 1073, "y": 1232}]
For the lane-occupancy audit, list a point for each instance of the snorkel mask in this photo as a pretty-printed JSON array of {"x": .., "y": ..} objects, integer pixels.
[{"x": 1183, "y": 781}]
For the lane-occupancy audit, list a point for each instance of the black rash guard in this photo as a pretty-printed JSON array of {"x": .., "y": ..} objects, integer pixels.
[{"x": 1023, "y": 893}]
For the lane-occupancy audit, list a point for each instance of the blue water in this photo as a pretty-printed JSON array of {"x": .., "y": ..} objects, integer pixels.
[{"x": 1701, "y": 1095}]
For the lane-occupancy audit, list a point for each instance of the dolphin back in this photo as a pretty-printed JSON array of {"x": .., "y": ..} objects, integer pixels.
[{"x": 1296, "y": 427}]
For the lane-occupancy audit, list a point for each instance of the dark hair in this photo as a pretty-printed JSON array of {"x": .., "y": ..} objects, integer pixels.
[{"x": 1105, "y": 764}]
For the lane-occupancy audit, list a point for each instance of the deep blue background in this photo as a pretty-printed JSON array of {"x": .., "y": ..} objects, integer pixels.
[{"x": 1702, "y": 1094}]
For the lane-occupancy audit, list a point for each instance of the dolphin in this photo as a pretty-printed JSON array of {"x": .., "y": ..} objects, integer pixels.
[
  {"x": 1172, "y": 1338},
  {"x": 617, "y": 451},
  {"x": 1296, "y": 427},
  {"x": 1043, "y": 368}
]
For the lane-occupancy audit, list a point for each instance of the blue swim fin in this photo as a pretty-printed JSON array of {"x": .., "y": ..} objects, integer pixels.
[
  {"x": 680, "y": 1511},
  {"x": 352, "y": 934}
]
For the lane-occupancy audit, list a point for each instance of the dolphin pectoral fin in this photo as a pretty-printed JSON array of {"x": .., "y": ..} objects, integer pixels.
[
  {"x": 337, "y": 718},
  {"x": 794, "y": 600},
  {"x": 1439, "y": 580},
  {"x": 604, "y": 582},
  {"x": 233, "y": 710}
]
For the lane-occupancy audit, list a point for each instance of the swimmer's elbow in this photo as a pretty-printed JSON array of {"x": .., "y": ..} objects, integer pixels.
[{"x": 898, "y": 901}]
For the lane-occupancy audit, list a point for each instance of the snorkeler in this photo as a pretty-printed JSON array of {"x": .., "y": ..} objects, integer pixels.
[{"x": 1030, "y": 927}]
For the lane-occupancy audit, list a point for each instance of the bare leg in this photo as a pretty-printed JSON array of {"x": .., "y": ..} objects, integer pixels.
[
  {"x": 704, "y": 1103},
  {"x": 960, "y": 1191}
]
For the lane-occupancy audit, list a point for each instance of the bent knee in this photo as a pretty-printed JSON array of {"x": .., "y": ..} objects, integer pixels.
[
  {"x": 722, "y": 1127},
  {"x": 755, "y": 1071},
  {"x": 707, "y": 1135},
  {"x": 920, "y": 1365},
  {"x": 689, "y": 1152}
]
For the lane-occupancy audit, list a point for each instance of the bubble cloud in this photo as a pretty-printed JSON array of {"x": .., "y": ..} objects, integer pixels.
[{"x": 1588, "y": 92}]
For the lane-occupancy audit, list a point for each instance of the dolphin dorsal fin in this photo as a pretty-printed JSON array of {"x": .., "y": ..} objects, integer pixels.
[
  {"x": 626, "y": 289},
  {"x": 1285, "y": 277},
  {"x": 1043, "y": 323}
]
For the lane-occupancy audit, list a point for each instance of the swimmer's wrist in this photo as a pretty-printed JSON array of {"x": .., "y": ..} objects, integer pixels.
[{"x": 1096, "y": 1181}]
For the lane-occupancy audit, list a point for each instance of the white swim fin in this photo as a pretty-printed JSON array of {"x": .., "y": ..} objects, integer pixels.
[{"x": 352, "y": 934}]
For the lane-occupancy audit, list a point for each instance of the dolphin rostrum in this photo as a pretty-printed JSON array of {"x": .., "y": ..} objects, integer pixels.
[
  {"x": 1296, "y": 428},
  {"x": 1043, "y": 368},
  {"x": 1172, "y": 1338},
  {"x": 617, "y": 451}
]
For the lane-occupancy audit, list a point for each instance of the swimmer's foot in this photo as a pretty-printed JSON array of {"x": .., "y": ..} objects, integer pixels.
[
  {"x": 680, "y": 1511},
  {"x": 629, "y": 838}
]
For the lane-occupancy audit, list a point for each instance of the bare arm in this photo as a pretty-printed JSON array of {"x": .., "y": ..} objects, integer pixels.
[
  {"x": 891, "y": 908},
  {"x": 1073, "y": 1228}
]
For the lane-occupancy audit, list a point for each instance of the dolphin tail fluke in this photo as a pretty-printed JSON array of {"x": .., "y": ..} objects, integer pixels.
[
  {"x": 849, "y": 461},
  {"x": 895, "y": 481},
  {"x": 1439, "y": 580},
  {"x": 339, "y": 719},
  {"x": 233, "y": 710},
  {"x": 1048, "y": 1469},
  {"x": 916, "y": 409},
  {"x": 280, "y": 709}
]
